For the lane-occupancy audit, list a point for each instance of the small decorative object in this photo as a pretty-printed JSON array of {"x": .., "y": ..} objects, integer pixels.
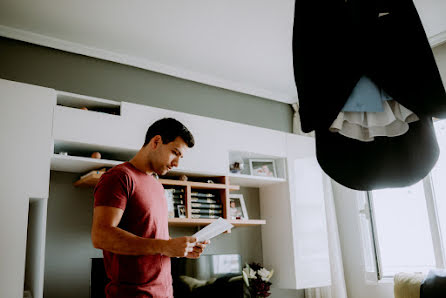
[
  {"x": 84, "y": 108},
  {"x": 236, "y": 167},
  {"x": 96, "y": 155},
  {"x": 183, "y": 178},
  {"x": 257, "y": 279},
  {"x": 237, "y": 207},
  {"x": 209, "y": 181},
  {"x": 181, "y": 211},
  {"x": 63, "y": 153},
  {"x": 262, "y": 167}
]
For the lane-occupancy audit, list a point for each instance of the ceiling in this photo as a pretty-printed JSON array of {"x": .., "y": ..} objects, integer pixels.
[{"x": 243, "y": 46}]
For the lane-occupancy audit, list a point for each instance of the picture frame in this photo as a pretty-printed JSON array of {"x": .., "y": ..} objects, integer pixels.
[
  {"x": 263, "y": 167},
  {"x": 237, "y": 207},
  {"x": 181, "y": 209}
]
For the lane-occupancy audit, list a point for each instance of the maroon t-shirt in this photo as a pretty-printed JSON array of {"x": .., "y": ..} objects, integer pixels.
[{"x": 141, "y": 197}]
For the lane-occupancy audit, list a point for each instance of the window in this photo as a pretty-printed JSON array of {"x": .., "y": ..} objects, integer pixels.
[{"x": 402, "y": 228}]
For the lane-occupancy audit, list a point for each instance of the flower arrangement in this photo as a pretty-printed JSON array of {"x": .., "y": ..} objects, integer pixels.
[{"x": 257, "y": 279}]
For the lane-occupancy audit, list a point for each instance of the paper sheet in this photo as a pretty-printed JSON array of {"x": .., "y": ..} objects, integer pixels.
[{"x": 214, "y": 229}]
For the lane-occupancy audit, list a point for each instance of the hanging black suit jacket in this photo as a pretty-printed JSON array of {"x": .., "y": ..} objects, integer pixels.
[{"x": 336, "y": 42}]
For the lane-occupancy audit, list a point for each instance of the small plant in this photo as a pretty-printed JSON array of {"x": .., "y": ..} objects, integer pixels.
[{"x": 257, "y": 279}]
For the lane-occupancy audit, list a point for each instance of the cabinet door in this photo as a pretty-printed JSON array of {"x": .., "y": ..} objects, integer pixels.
[
  {"x": 26, "y": 116},
  {"x": 247, "y": 138},
  {"x": 309, "y": 229},
  {"x": 88, "y": 127},
  {"x": 294, "y": 239},
  {"x": 208, "y": 156}
]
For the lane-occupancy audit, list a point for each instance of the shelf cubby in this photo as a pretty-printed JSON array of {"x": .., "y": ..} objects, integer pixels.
[
  {"x": 93, "y": 104},
  {"x": 246, "y": 178}
]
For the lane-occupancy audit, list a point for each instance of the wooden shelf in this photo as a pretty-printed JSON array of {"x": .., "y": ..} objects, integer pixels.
[
  {"x": 92, "y": 180},
  {"x": 198, "y": 185},
  {"x": 194, "y": 222},
  {"x": 254, "y": 181},
  {"x": 89, "y": 181},
  {"x": 247, "y": 222}
]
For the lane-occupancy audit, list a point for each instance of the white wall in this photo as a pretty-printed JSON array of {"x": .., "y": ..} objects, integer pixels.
[{"x": 440, "y": 57}]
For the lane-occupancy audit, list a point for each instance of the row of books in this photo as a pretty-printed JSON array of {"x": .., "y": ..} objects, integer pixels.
[{"x": 203, "y": 205}]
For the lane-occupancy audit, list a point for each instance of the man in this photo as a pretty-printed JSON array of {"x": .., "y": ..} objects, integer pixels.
[{"x": 130, "y": 222}]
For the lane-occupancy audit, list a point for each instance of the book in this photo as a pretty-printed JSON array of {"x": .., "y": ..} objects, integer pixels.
[
  {"x": 206, "y": 206},
  {"x": 206, "y": 211},
  {"x": 204, "y": 216},
  {"x": 203, "y": 200},
  {"x": 202, "y": 195},
  {"x": 176, "y": 191},
  {"x": 178, "y": 202}
]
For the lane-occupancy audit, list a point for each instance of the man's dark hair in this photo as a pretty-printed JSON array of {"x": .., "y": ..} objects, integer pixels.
[{"x": 169, "y": 129}]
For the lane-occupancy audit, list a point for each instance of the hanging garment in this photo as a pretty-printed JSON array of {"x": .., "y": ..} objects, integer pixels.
[
  {"x": 335, "y": 43},
  {"x": 386, "y": 162},
  {"x": 365, "y": 126},
  {"x": 370, "y": 112},
  {"x": 365, "y": 97}
]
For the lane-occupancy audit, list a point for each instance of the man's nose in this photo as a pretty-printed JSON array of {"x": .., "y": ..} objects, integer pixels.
[{"x": 175, "y": 162}]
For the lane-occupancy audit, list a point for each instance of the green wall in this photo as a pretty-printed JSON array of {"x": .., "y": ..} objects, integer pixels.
[{"x": 38, "y": 65}]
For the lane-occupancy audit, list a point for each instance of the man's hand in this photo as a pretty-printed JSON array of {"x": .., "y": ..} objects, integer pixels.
[
  {"x": 179, "y": 247},
  {"x": 198, "y": 250}
]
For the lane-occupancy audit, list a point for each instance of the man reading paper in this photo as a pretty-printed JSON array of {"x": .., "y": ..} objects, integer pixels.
[{"x": 130, "y": 222}]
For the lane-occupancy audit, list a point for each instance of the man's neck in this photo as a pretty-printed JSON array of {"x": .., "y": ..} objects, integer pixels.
[{"x": 140, "y": 163}]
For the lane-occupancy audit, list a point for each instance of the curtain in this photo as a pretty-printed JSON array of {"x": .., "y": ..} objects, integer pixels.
[
  {"x": 296, "y": 122},
  {"x": 337, "y": 288}
]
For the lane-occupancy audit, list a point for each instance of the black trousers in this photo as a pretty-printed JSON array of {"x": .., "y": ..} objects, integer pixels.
[{"x": 336, "y": 42}]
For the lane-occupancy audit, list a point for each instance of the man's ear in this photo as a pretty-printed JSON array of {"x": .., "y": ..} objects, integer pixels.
[{"x": 156, "y": 141}]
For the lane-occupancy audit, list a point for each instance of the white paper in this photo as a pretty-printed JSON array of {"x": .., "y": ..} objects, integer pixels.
[{"x": 214, "y": 229}]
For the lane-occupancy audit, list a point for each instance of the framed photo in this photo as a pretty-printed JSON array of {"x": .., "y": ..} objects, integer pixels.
[
  {"x": 263, "y": 167},
  {"x": 237, "y": 207},
  {"x": 181, "y": 211}
]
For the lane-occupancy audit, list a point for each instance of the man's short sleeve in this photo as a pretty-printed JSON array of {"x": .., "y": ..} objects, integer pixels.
[{"x": 113, "y": 190}]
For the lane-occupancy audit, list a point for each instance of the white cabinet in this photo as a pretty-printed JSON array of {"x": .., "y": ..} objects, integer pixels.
[
  {"x": 95, "y": 128},
  {"x": 295, "y": 239},
  {"x": 247, "y": 138},
  {"x": 208, "y": 156},
  {"x": 309, "y": 226},
  {"x": 26, "y": 114}
]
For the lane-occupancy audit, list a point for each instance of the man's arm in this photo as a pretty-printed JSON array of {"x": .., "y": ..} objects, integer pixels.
[{"x": 106, "y": 235}]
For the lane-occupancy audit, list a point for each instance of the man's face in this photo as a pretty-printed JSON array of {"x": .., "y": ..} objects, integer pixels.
[{"x": 167, "y": 156}]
